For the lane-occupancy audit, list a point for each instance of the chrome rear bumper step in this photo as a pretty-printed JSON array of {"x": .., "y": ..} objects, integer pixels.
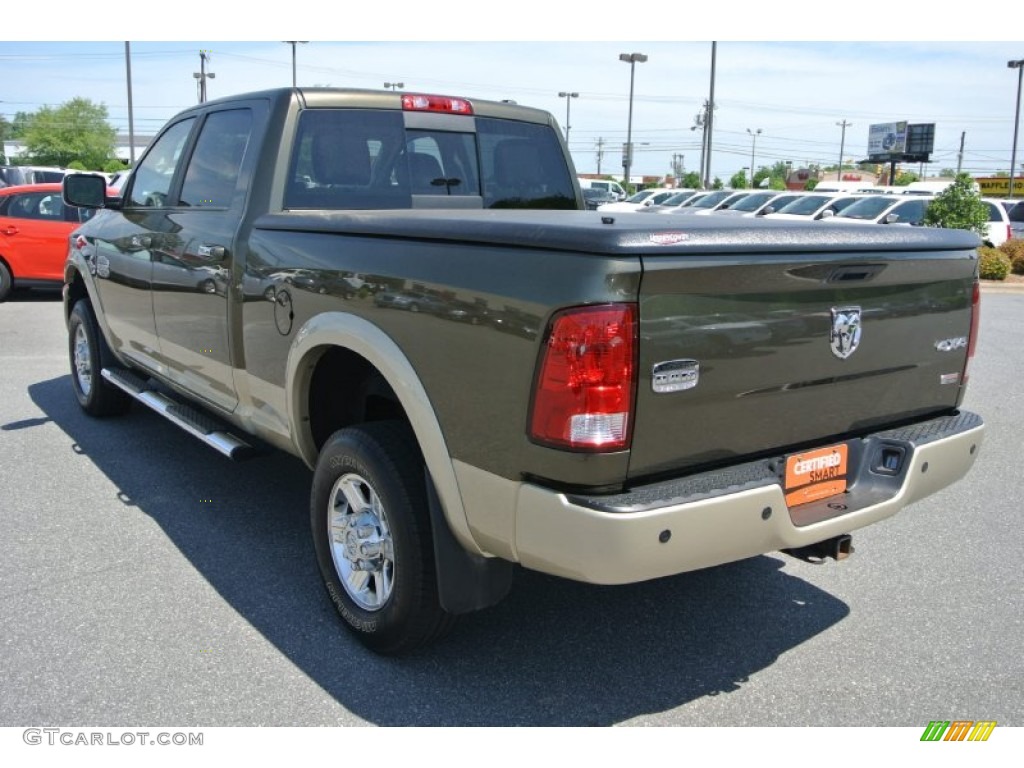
[{"x": 197, "y": 423}]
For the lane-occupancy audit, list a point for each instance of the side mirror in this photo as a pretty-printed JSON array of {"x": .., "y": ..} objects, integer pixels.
[
  {"x": 891, "y": 218},
  {"x": 84, "y": 190},
  {"x": 828, "y": 213},
  {"x": 765, "y": 211}
]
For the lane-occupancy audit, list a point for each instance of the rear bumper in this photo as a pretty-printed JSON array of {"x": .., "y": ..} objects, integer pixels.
[{"x": 732, "y": 514}]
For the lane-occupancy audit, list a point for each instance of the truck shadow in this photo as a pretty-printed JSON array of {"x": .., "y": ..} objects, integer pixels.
[{"x": 554, "y": 653}]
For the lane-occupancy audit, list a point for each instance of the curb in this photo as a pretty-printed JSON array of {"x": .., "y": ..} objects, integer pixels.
[{"x": 997, "y": 286}]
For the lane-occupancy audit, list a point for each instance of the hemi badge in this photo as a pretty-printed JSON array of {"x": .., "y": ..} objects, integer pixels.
[
  {"x": 675, "y": 376},
  {"x": 949, "y": 378}
]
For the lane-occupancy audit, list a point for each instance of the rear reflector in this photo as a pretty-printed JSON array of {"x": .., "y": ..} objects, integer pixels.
[
  {"x": 583, "y": 398},
  {"x": 418, "y": 102},
  {"x": 972, "y": 339}
]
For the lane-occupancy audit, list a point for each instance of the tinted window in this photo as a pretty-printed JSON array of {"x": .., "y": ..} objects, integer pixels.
[
  {"x": 522, "y": 166},
  {"x": 364, "y": 159},
  {"x": 46, "y": 206},
  {"x": 216, "y": 162},
  {"x": 151, "y": 181},
  {"x": 348, "y": 158},
  {"x": 911, "y": 212},
  {"x": 1016, "y": 212}
]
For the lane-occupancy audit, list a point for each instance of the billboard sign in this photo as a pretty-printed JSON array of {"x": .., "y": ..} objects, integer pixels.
[{"x": 886, "y": 139}]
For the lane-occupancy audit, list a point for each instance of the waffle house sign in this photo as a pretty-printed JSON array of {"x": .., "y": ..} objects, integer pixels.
[{"x": 999, "y": 186}]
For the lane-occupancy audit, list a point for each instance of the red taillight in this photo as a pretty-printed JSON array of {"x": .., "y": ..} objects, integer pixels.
[
  {"x": 583, "y": 398},
  {"x": 972, "y": 339},
  {"x": 419, "y": 102}
]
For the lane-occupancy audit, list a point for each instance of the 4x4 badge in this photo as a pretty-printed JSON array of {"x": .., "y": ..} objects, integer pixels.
[{"x": 845, "y": 331}]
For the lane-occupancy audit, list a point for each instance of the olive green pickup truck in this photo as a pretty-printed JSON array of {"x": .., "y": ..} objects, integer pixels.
[{"x": 405, "y": 291}]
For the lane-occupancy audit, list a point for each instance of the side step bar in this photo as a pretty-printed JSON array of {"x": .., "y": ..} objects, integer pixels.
[{"x": 194, "y": 421}]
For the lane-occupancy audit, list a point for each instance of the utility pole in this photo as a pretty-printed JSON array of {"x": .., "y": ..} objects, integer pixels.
[
  {"x": 711, "y": 115},
  {"x": 600, "y": 154},
  {"x": 131, "y": 120},
  {"x": 701, "y": 121},
  {"x": 842, "y": 146},
  {"x": 202, "y": 75},
  {"x": 960, "y": 154}
]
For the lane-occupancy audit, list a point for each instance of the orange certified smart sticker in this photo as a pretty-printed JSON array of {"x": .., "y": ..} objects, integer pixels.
[{"x": 815, "y": 475}]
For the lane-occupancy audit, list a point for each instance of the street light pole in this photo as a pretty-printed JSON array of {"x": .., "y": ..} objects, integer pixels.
[
  {"x": 394, "y": 86},
  {"x": 842, "y": 145},
  {"x": 1019, "y": 66},
  {"x": 293, "y": 43},
  {"x": 753, "y": 146},
  {"x": 568, "y": 96},
  {"x": 632, "y": 58}
]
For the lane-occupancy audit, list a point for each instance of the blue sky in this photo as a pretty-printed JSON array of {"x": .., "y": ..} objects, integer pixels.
[{"x": 796, "y": 92}]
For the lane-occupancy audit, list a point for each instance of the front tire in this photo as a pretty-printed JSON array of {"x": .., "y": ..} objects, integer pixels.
[
  {"x": 6, "y": 281},
  {"x": 371, "y": 532},
  {"x": 88, "y": 352}
]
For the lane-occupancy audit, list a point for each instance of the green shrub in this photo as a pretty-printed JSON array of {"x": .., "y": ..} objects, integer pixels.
[
  {"x": 993, "y": 264},
  {"x": 1014, "y": 251}
]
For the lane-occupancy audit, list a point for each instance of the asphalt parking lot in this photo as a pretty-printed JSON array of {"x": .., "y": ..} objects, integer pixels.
[{"x": 148, "y": 580}]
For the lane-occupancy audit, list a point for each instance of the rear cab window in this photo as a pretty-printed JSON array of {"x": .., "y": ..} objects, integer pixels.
[{"x": 354, "y": 158}]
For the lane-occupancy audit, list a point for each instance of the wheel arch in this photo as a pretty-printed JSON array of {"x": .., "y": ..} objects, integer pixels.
[{"x": 348, "y": 337}]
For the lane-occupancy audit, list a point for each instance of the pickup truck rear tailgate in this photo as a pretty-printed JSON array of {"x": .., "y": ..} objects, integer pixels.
[{"x": 777, "y": 345}]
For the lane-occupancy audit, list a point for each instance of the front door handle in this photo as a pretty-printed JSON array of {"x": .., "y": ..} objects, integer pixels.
[{"x": 11, "y": 231}]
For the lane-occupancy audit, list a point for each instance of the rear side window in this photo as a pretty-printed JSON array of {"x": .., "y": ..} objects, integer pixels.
[
  {"x": 216, "y": 162},
  {"x": 366, "y": 159}
]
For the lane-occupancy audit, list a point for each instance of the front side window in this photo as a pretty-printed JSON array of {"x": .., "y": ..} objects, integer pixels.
[
  {"x": 151, "y": 181},
  {"x": 45, "y": 206}
]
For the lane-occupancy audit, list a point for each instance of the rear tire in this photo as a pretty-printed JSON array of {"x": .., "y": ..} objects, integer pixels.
[
  {"x": 89, "y": 353},
  {"x": 371, "y": 532}
]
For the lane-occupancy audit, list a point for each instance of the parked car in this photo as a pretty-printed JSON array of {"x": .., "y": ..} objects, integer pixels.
[
  {"x": 681, "y": 198},
  {"x": 705, "y": 204},
  {"x": 999, "y": 228},
  {"x": 642, "y": 199},
  {"x": 885, "y": 209},
  {"x": 1015, "y": 210},
  {"x": 19, "y": 175},
  {"x": 814, "y": 206},
  {"x": 758, "y": 204},
  {"x": 605, "y": 185},
  {"x": 594, "y": 197},
  {"x": 34, "y": 229}
]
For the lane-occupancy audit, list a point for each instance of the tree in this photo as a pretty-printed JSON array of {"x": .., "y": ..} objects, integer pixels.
[
  {"x": 958, "y": 206},
  {"x": 738, "y": 180},
  {"x": 76, "y": 130},
  {"x": 691, "y": 180}
]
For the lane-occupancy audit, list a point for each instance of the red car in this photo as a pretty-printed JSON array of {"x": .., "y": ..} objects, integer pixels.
[{"x": 34, "y": 229}]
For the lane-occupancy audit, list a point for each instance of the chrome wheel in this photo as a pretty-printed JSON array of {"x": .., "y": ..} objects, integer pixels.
[
  {"x": 361, "y": 543},
  {"x": 82, "y": 360}
]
